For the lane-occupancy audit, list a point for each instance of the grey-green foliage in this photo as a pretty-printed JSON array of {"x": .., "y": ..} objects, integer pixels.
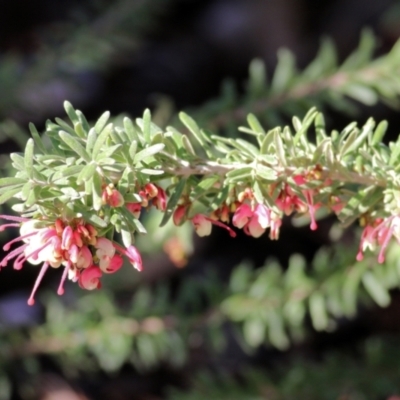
[
  {"x": 374, "y": 375},
  {"x": 272, "y": 303},
  {"x": 324, "y": 82}
]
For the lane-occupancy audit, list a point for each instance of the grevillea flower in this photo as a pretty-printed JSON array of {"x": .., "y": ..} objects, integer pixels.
[
  {"x": 179, "y": 215},
  {"x": 133, "y": 255},
  {"x": 74, "y": 246},
  {"x": 255, "y": 221},
  {"x": 242, "y": 215},
  {"x": 112, "y": 196},
  {"x": 89, "y": 278},
  {"x": 134, "y": 208},
  {"x": 378, "y": 234},
  {"x": 203, "y": 225},
  {"x": 160, "y": 200},
  {"x": 309, "y": 196},
  {"x": 259, "y": 221}
]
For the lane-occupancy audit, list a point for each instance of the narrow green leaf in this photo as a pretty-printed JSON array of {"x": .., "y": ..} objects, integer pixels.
[
  {"x": 11, "y": 181},
  {"x": 9, "y": 194},
  {"x": 83, "y": 121},
  {"x": 96, "y": 192},
  {"x": 280, "y": 151},
  {"x": 191, "y": 124},
  {"x": 61, "y": 123},
  {"x": 18, "y": 161},
  {"x": 28, "y": 157},
  {"x": 187, "y": 145},
  {"x": 101, "y": 122},
  {"x": 101, "y": 139},
  {"x": 284, "y": 71},
  {"x": 147, "y": 125},
  {"x": 95, "y": 220},
  {"x": 240, "y": 173},
  {"x": 91, "y": 140},
  {"x": 74, "y": 144},
  {"x": 79, "y": 130},
  {"x": 127, "y": 238},
  {"x": 130, "y": 130},
  {"x": 379, "y": 132},
  {"x": 149, "y": 171},
  {"x": 138, "y": 226},
  {"x": 318, "y": 311},
  {"x": 257, "y": 78},
  {"x": 254, "y": 123},
  {"x": 71, "y": 112},
  {"x": 132, "y": 149},
  {"x": 375, "y": 288},
  {"x": 148, "y": 152},
  {"x": 36, "y": 137},
  {"x": 72, "y": 170},
  {"x": 173, "y": 201},
  {"x": 254, "y": 331},
  {"x": 86, "y": 173}
]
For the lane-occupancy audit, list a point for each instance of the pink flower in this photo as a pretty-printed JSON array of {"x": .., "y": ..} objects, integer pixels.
[
  {"x": 114, "y": 265},
  {"x": 133, "y": 255},
  {"x": 378, "y": 234},
  {"x": 160, "y": 200},
  {"x": 179, "y": 215},
  {"x": 89, "y": 278},
  {"x": 259, "y": 222},
  {"x": 203, "y": 225},
  {"x": 70, "y": 245},
  {"x": 105, "y": 252},
  {"x": 254, "y": 222},
  {"x": 242, "y": 215},
  {"x": 134, "y": 208},
  {"x": 112, "y": 197}
]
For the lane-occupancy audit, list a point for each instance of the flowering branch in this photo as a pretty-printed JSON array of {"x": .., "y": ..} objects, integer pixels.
[{"x": 79, "y": 185}]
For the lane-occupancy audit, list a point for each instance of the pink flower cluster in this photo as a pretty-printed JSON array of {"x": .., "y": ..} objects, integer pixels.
[
  {"x": 255, "y": 218},
  {"x": 152, "y": 195},
  {"x": 75, "y": 246},
  {"x": 377, "y": 233}
]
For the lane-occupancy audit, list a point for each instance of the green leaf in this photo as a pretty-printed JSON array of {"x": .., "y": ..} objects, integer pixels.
[
  {"x": 280, "y": 150},
  {"x": 285, "y": 71},
  {"x": 86, "y": 173},
  {"x": 379, "y": 132},
  {"x": 254, "y": 123},
  {"x": 91, "y": 140},
  {"x": 36, "y": 137},
  {"x": 72, "y": 170},
  {"x": 71, "y": 112},
  {"x": 375, "y": 288},
  {"x": 28, "y": 158},
  {"x": 187, "y": 145},
  {"x": 11, "y": 181},
  {"x": 173, "y": 201},
  {"x": 240, "y": 173},
  {"x": 9, "y": 194},
  {"x": 133, "y": 149},
  {"x": 74, "y": 145},
  {"x": 97, "y": 192},
  {"x": 254, "y": 331},
  {"x": 101, "y": 139},
  {"x": 191, "y": 124},
  {"x": 130, "y": 129},
  {"x": 147, "y": 125},
  {"x": 148, "y": 152},
  {"x": 101, "y": 122},
  {"x": 257, "y": 78},
  {"x": 318, "y": 311}
]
